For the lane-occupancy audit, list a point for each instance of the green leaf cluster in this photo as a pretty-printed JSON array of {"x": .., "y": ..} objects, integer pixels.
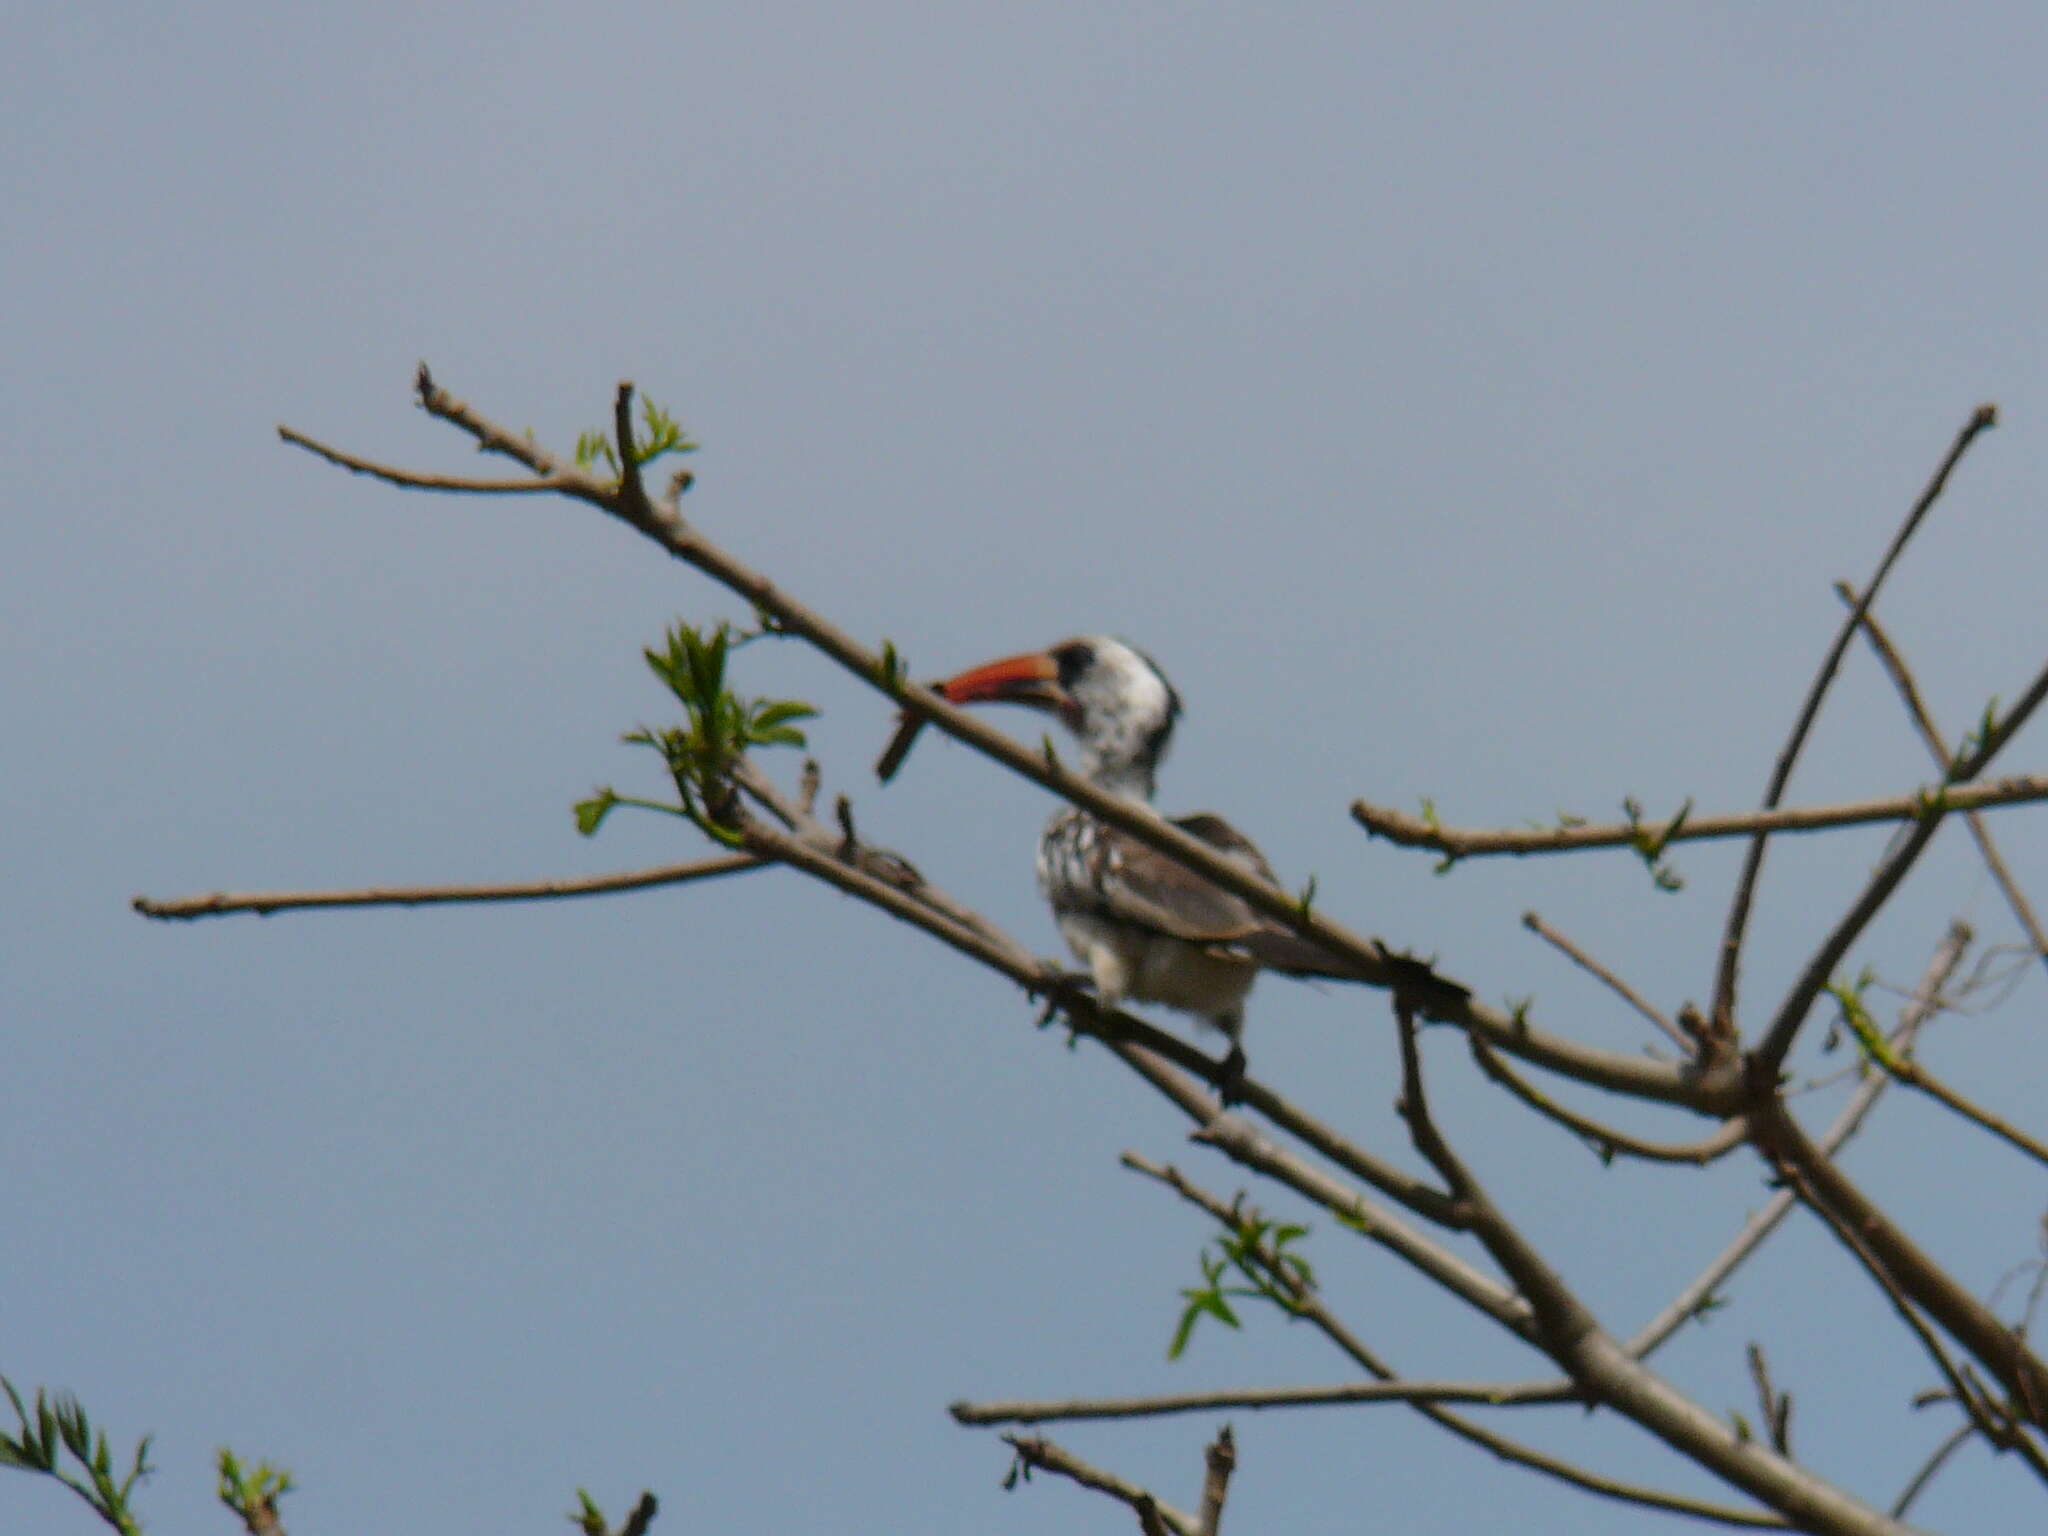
[
  {"x": 720, "y": 726},
  {"x": 1253, "y": 1262},
  {"x": 589, "y": 1518},
  {"x": 58, "y": 1425},
  {"x": 253, "y": 1493},
  {"x": 659, "y": 434},
  {"x": 1855, "y": 1013},
  {"x": 1650, "y": 846}
]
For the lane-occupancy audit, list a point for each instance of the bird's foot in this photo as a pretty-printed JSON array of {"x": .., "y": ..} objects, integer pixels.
[
  {"x": 1060, "y": 989},
  {"x": 1230, "y": 1078}
]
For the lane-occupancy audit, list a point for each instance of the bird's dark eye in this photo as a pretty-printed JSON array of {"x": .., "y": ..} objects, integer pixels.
[{"x": 1073, "y": 659}]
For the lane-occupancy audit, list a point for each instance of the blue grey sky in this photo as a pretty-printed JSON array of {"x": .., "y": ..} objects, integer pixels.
[{"x": 1471, "y": 402}]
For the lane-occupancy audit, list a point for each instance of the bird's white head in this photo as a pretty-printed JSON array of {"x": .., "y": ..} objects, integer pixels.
[{"x": 1111, "y": 695}]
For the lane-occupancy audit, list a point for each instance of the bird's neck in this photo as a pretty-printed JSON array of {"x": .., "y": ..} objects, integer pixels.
[{"x": 1119, "y": 776}]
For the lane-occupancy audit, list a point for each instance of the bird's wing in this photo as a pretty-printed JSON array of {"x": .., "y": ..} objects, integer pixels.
[
  {"x": 1146, "y": 887},
  {"x": 1139, "y": 885}
]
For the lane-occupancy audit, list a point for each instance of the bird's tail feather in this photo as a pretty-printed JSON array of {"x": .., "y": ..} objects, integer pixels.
[{"x": 1292, "y": 955}]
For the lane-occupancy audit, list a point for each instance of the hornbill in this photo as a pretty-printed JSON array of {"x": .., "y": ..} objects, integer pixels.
[{"x": 1145, "y": 927}]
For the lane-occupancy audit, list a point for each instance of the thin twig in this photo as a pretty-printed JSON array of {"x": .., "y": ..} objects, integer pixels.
[
  {"x": 1954, "y": 1442},
  {"x": 1916, "y": 706},
  {"x": 1773, "y": 1405},
  {"x": 1607, "y": 1142},
  {"x": 413, "y": 481},
  {"x": 1913, "y": 1075},
  {"x": 1614, "y": 983},
  {"x": 1480, "y": 842},
  {"x": 220, "y": 903},
  {"x": 1038, "y": 1454},
  {"x": 1725, "y": 975},
  {"x": 1693, "y": 1300}
]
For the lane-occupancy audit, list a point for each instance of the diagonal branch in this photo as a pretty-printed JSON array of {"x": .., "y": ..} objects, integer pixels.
[
  {"x": 1148, "y": 1052},
  {"x": 1607, "y": 1142},
  {"x": 1366, "y": 959},
  {"x": 1569, "y": 1333},
  {"x": 1614, "y": 983},
  {"x": 1906, "y": 1070},
  {"x": 264, "y": 903},
  {"x": 1723, "y": 1012},
  {"x": 1916, "y": 706}
]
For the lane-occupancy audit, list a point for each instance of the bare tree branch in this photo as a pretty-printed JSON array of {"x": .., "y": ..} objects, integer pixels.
[
  {"x": 1472, "y": 842},
  {"x": 1909, "y": 693},
  {"x": 1723, "y": 1011},
  {"x": 1502, "y": 1394},
  {"x": 264, "y": 903},
  {"x": 1607, "y": 1142}
]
